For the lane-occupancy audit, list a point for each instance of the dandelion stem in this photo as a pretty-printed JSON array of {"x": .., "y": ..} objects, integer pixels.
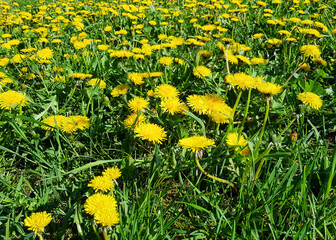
[
  {"x": 40, "y": 236},
  {"x": 264, "y": 124},
  {"x": 290, "y": 77},
  {"x": 213, "y": 177},
  {"x": 227, "y": 59}
]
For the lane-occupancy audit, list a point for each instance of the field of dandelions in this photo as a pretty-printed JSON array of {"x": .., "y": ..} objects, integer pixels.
[{"x": 180, "y": 119}]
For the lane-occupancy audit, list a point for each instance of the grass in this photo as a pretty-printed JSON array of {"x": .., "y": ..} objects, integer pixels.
[{"x": 283, "y": 188}]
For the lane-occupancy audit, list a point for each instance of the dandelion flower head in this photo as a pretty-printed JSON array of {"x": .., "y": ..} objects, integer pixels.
[
  {"x": 166, "y": 91},
  {"x": 45, "y": 53},
  {"x": 121, "y": 89},
  {"x": 311, "y": 99},
  {"x": 97, "y": 202},
  {"x": 269, "y": 88},
  {"x": 113, "y": 173},
  {"x": 130, "y": 120},
  {"x": 172, "y": 105},
  {"x": 10, "y": 99},
  {"x": 196, "y": 143},
  {"x": 232, "y": 140},
  {"x": 37, "y": 221},
  {"x": 241, "y": 80},
  {"x": 310, "y": 51},
  {"x": 201, "y": 71},
  {"x": 108, "y": 217},
  {"x": 150, "y": 132},
  {"x": 101, "y": 183},
  {"x": 137, "y": 104}
]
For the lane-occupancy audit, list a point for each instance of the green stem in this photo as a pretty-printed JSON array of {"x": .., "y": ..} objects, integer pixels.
[
  {"x": 105, "y": 233},
  {"x": 256, "y": 176},
  {"x": 40, "y": 236},
  {"x": 264, "y": 124},
  {"x": 95, "y": 231},
  {"x": 211, "y": 176}
]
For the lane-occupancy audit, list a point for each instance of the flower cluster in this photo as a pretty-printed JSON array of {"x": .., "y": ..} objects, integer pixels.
[{"x": 103, "y": 207}]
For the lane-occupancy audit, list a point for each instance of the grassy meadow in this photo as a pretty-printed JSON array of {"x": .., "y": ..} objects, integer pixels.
[{"x": 179, "y": 119}]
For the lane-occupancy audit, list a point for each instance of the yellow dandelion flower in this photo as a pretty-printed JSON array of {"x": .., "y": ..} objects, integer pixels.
[
  {"x": 241, "y": 80},
  {"x": 137, "y": 104},
  {"x": 151, "y": 132},
  {"x": 256, "y": 61},
  {"x": 68, "y": 125},
  {"x": 98, "y": 202},
  {"x": 166, "y": 91},
  {"x": 81, "y": 121},
  {"x": 53, "y": 121},
  {"x": 196, "y": 143},
  {"x": 10, "y": 99},
  {"x": 113, "y": 173},
  {"x": 130, "y": 120},
  {"x": 45, "y": 53},
  {"x": 232, "y": 140},
  {"x": 310, "y": 99},
  {"x": 96, "y": 81},
  {"x": 172, "y": 105},
  {"x": 311, "y": 51},
  {"x": 136, "y": 78},
  {"x": 201, "y": 71},
  {"x": 223, "y": 114},
  {"x": 101, "y": 183},
  {"x": 269, "y": 88},
  {"x": 38, "y": 221},
  {"x": 196, "y": 102},
  {"x": 121, "y": 89},
  {"x": 166, "y": 61},
  {"x": 108, "y": 217}
]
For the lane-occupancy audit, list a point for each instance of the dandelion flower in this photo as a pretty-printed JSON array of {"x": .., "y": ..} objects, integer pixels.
[
  {"x": 38, "y": 221},
  {"x": 172, "y": 105},
  {"x": 45, "y": 53},
  {"x": 241, "y": 80},
  {"x": 196, "y": 102},
  {"x": 98, "y": 202},
  {"x": 108, "y": 217},
  {"x": 119, "y": 90},
  {"x": 10, "y": 99},
  {"x": 166, "y": 91},
  {"x": 201, "y": 71},
  {"x": 102, "y": 183},
  {"x": 137, "y": 104},
  {"x": 223, "y": 114},
  {"x": 269, "y": 88},
  {"x": 212, "y": 102},
  {"x": 166, "y": 61},
  {"x": 233, "y": 141},
  {"x": 81, "y": 121},
  {"x": 311, "y": 51},
  {"x": 311, "y": 99},
  {"x": 151, "y": 132},
  {"x": 130, "y": 120},
  {"x": 113, "y": 173},
  {"x": 136, "y": 78},
  {"x": 53, "y": 121},
  {"x": 68, "y": 125},
  {"x": 96, "y": 81},
  {"x": 196, "y": 143}
]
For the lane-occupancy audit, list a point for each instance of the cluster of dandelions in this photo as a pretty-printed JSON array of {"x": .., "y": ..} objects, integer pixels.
[
  {"x": 66, "y": 124},
  {"x": 102, "y": 205}
]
